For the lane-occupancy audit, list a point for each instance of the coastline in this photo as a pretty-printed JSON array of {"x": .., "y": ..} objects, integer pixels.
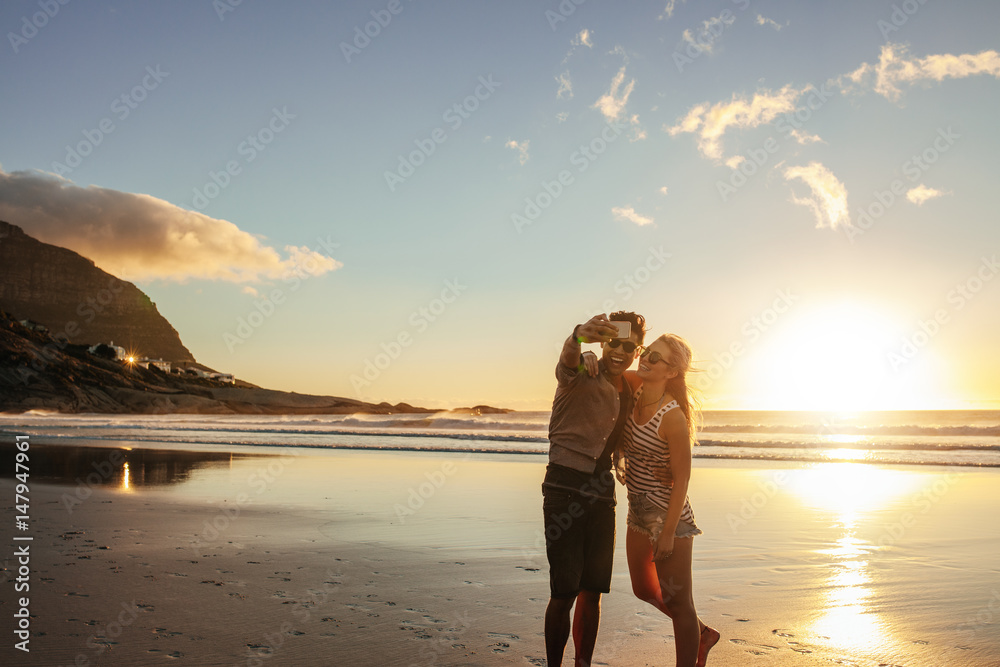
[{"x": 401, "y": 558}]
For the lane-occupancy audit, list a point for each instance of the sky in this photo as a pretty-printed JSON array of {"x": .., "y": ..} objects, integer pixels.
[{"x": 414, "y": 201}]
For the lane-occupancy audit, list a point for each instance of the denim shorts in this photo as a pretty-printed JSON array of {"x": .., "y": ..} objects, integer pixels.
[{"x": 647, "y": 518}]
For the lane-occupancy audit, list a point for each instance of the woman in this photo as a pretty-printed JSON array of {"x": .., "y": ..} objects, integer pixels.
[{"x": 659, "y": 432}]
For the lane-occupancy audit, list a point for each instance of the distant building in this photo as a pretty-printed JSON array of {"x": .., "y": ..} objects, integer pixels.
[
  {"x": 120, "y": 354},
  {"x": 31, "y": 325},
  {"x": 223, "y": 377},
  {"x": 157, "y": 363}
]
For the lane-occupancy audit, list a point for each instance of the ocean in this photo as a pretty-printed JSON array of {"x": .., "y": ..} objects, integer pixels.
[{"x": 943, "y": 437}]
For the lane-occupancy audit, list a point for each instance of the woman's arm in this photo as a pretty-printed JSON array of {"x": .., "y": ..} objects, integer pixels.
[{"x": 674, "y": 430}]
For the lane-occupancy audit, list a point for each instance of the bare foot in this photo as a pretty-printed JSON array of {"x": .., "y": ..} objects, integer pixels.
[{"x": 709, "y": 638}]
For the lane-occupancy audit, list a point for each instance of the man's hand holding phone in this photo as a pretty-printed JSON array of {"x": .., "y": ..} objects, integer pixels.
[{"x": 599, "y": 329}]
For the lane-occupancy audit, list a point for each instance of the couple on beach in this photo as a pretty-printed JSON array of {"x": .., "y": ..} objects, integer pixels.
[{"x": 607, "y": 420}]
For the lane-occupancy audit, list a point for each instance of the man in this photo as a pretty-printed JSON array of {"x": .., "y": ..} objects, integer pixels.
[{"x": 586, "y": 426}]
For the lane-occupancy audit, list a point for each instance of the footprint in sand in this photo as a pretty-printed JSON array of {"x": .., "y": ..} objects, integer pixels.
[{"x": 756, "y": 649}]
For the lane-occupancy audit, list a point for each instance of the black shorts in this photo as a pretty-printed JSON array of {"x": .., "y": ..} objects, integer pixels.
[{"x": 579, "y": 542}]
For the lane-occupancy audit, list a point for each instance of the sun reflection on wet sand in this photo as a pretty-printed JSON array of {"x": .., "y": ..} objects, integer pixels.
[{"x": 852, "y": 494}]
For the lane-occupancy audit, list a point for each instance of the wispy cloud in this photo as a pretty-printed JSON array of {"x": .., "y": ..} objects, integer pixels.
[
  {"x": 143, "y": 237},
  {"x": 663, "y": 190},
  {"x": 565, "y": 86},
  {"x": 628, "y": 214},
  {"x": 828, "y": 199},
  {"x": 763, "y": 20},
  {"x": 707, "y": 36},
  {"x": 612, "y": 103},
  {"x": 922, "y": 193},
  {"x": 522, "y": 149},
  {"x": 668, "y": 11},
  {"x": 585, "y": 38},
  {"x": 896, "y": 67},
  {"x": 711, "y": 123},
  {"x": 805, "y": 138}
]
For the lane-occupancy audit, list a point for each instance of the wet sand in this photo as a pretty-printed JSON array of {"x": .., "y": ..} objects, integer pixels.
[{"x": 395, "y": 558}]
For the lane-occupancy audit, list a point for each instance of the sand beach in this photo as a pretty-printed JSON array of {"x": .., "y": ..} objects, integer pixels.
[{"x": 343, "y": 557}]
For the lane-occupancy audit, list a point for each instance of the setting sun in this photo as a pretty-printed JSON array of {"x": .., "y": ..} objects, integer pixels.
[{"x": 836, "y": 357}]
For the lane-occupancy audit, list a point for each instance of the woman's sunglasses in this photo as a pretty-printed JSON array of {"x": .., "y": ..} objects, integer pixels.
[
  {"x": 653, "y": 357},
  {"x": 627, "y": 345}
]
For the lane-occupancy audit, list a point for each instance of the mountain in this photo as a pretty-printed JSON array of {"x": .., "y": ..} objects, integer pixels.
[
  {"x": 40, "y": 372},
  {"x": 79, "y": 302}
]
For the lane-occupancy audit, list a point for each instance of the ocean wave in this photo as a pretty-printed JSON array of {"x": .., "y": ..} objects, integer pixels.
[{"x": 847, "y": 429}]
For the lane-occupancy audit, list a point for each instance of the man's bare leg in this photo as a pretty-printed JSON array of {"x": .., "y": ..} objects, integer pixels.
[
  {"x": 556, "y": 629},
  {"x": 586, "y": 622}
]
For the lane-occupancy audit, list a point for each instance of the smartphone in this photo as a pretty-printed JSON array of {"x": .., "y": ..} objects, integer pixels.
[{"x": 624, "y": 329}]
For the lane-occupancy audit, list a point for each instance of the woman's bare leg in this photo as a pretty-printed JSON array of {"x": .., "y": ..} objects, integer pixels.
[{"x": 676, "y": 590}]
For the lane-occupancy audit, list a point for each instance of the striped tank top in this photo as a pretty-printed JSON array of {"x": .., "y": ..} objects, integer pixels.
[{"x": 645, "y": 452}]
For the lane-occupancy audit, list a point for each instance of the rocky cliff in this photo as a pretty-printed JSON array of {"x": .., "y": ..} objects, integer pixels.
[{"x": 68, "y": 294}]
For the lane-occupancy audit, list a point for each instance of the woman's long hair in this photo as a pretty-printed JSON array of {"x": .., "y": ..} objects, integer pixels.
[{"x": 677, "y": 386}]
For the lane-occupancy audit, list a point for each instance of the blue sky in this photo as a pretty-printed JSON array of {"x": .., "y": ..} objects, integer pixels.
[{"x": 717, "y": 160}]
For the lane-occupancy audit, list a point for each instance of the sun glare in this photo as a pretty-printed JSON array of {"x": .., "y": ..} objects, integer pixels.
[{"x": 836, "y": 358}]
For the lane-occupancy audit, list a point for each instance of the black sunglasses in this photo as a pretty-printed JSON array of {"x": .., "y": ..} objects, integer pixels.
[
  {"x": 627, "y": 345},
  {"x": 653, "y": 357}
]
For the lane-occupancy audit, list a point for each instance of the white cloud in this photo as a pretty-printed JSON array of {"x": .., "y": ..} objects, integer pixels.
[
  {"x": 668, "y": 11},
  {"x": 522, "y": 149},
  {"x": 805, "y": 138},
  {"x": 896, "y": 66},
  {"x": 565, "y": 86},
  {"x": 663, "y": 190},
  {"x": 628, "y": 214},
  {"x": 762, "y": 20},
  {"x": 585, "y": 38},
  {"x": 922, "y": 193},
  {"x": 710, "y": 124},
  {"x": 612, "y": 103},
  {"x": 252, "y": 291},
  {"x": 828, "y": 199},
  {"x": 562, "y": 116},
  {"x": 144, "y": 238},
  {"x": 735, "y": 161}
]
